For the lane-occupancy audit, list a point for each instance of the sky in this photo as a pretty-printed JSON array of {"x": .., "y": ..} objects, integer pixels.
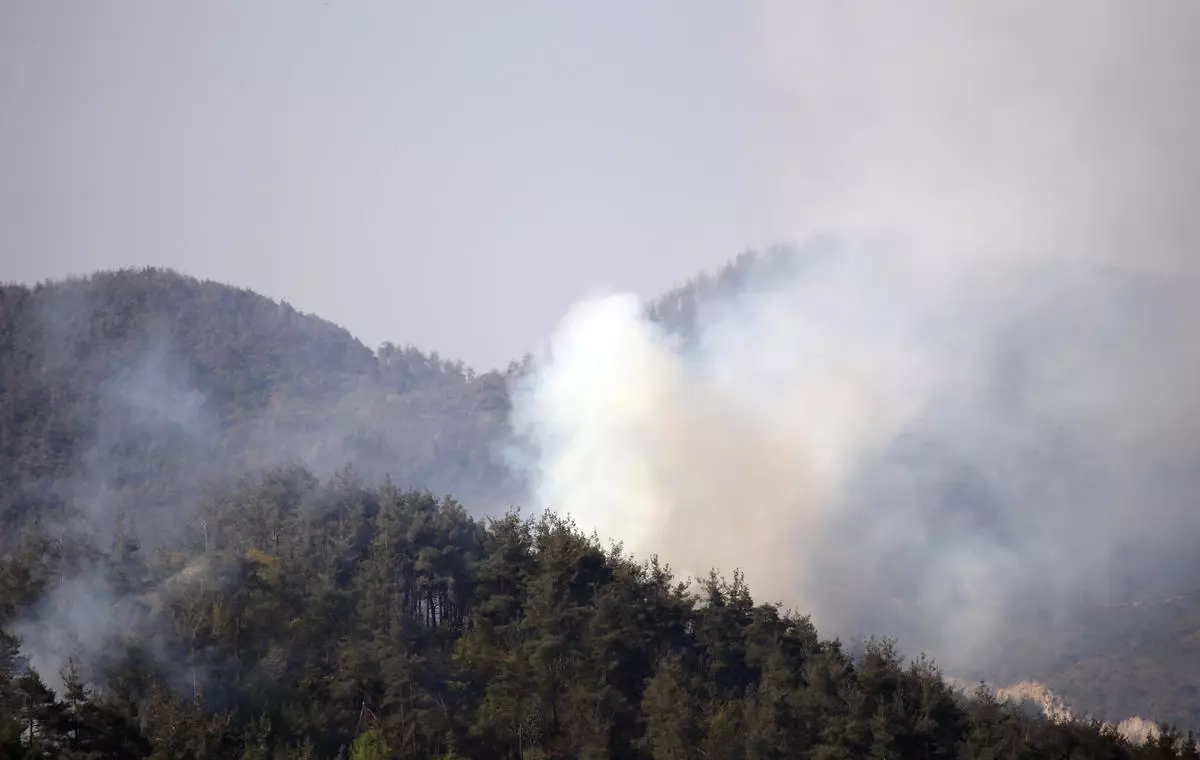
[
  {"x": 448, "y": 174},
  {"x": 455, "y": 175}
]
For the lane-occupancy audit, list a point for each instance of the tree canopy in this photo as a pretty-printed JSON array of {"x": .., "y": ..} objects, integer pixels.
[{"x": 299, "y": 619}]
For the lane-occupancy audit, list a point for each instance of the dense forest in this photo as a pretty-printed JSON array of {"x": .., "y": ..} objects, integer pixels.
[
  {"x": 187, "y": 569},
  {"x": 294, "y": 619}
]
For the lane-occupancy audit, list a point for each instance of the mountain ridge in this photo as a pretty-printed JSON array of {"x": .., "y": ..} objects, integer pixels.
[{"x": 196, "y": 380}]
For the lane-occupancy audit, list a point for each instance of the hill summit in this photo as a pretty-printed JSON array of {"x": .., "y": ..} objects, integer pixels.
[{"x": 136, "y": 389}]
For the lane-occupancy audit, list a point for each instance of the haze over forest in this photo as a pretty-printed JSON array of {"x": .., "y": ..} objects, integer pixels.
[{"x": 954, "y": 406}]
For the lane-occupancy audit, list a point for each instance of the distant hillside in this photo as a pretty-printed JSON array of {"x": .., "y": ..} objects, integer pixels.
[
  {"x": 135, "y": 389},
  {"x": 1140, "y": 658}
]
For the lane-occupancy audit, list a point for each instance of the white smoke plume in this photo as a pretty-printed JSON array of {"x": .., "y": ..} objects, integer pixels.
[
  {"x": 981, "y": 400},
  {"x": 654, "y": 447}
]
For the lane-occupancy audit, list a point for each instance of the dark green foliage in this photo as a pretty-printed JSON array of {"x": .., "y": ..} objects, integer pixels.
[{"x": 301, "y": 620}]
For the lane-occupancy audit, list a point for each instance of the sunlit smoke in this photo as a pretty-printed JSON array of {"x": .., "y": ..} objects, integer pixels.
[
  {"x": 980, "y": 402},
  {"x": 892, "y": 460}
]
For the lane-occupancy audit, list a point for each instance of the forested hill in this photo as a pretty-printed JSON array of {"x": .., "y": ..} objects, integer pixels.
[
  {"x": 127, "y": 397},
  {"x": 298, "y": 620},
  {"x": 139, "y": 387}
]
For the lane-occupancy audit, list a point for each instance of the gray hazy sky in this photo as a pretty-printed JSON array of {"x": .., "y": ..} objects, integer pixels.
[{"x": 456, "y": 174}]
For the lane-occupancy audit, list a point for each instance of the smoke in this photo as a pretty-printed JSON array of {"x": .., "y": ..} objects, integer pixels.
[
  {"x": 983, "y": 129},
  {"x": 698, "y": 455},
  {"x": 979, "y": 403},
  {"x": 84, "y": 621}
]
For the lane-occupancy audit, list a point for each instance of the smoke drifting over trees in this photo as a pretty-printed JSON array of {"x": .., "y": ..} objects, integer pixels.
[
  {"x": 128, "y": 397},
  {"x": 973, "y": 396},
  {"x": 962, "y": 413},
  {"x": 881, "y": 457},
  {"x": 953, "y": 472}
]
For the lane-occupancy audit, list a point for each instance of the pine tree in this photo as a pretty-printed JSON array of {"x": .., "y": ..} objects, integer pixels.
[
  {"x": 370, "y": 745},
  {"x": 670, "y": 711}
]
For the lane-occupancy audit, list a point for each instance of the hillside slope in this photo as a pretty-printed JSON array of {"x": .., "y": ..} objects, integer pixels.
[
  {"x": 137, "y": 389},
  {"x": 1139, "y": 658},
  {"x": 296, "y": 619}
]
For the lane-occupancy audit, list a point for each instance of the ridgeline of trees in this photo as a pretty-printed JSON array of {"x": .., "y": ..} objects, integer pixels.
[{"x": 295, "y": 619}]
